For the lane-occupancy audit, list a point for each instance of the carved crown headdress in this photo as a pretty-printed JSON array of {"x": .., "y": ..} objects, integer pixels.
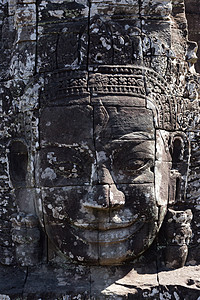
[{"x": 113, "y": 85}]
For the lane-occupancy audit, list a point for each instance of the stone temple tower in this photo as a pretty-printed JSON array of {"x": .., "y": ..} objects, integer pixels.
[{"x": 99, "y": 176}]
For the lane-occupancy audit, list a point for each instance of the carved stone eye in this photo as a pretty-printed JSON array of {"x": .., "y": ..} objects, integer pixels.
[
  {"x": 133, "y": 157},
  {"x": 134, "y": 164},
  {"x": 131, "y": 164},
  {"x": 62, "y": 166}
]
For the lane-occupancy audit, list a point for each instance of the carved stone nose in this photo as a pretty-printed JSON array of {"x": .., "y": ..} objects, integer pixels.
[
  {"x": 104, "y": 176},
  {"x": 104, "y": 194}
]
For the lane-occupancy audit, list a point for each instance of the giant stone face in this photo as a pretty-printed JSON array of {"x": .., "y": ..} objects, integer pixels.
[{"x": 104, "y": 184}]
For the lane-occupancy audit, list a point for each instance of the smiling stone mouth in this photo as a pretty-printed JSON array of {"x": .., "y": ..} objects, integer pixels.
[
  {"x": 115, "y": 233},
  {"x": 105, "y": 226}
]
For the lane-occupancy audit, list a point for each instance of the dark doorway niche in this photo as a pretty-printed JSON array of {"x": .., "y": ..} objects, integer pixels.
[
  {"x": 18, "y": 161},
  {"x": 177, "y": 149}
]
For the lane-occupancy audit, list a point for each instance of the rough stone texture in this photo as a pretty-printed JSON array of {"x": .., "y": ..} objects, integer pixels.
[
  {"x": 52, "y": 283},
  {"x": 193, "y": 18},
  {"x": 192, "y": 10},
  {"x": 99, "y": 150}
]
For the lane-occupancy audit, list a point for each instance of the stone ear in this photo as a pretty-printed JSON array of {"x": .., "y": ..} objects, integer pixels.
[
  {"x": 177, "y": 148},
  {"x": 18, "y": 162},
  {"x": 179, "y": 164}
]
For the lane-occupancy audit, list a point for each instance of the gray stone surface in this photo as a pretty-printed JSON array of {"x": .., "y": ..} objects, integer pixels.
[
  {"x": 50, "y": 282},
  {"x": 99, "y": 150}
]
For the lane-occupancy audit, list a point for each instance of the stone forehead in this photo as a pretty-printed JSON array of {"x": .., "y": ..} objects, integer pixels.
[{"x": 78, "y": 124}]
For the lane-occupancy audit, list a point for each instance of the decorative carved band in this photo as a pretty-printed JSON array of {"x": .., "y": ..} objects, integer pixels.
[
  {"x": 65, "y": 85},
  {"x": 117, "y": 84},
  {"x": 108, "y": 79}
]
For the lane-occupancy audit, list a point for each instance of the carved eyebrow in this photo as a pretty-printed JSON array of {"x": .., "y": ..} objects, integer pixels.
[{"x": 132, "y": 142}]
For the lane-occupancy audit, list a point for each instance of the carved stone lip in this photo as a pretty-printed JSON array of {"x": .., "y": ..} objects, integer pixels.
[
  {"x": 116, "y": 234},
  {"x": 107, "y": 226}
]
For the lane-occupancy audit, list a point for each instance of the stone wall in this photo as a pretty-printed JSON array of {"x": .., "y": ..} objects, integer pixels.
[{"x": 193, "y": 17}]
